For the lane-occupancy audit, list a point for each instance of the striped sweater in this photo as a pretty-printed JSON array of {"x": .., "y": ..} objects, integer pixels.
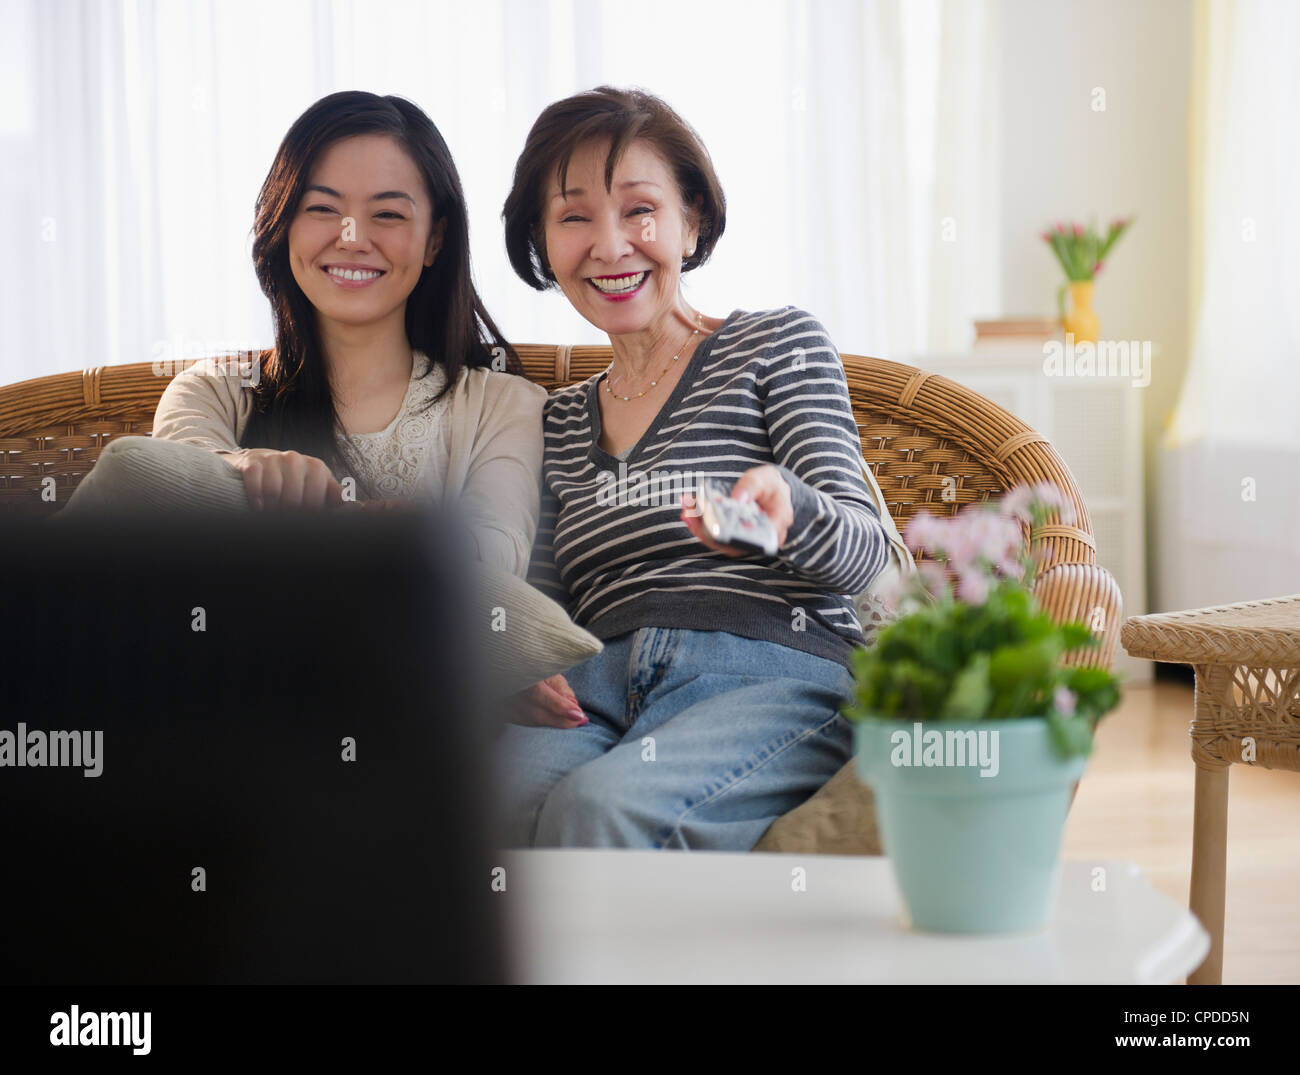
[{"x": 611, "y": 547}]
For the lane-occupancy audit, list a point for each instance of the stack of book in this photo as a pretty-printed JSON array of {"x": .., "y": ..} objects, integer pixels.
[{"x": 1017, "y": 329}]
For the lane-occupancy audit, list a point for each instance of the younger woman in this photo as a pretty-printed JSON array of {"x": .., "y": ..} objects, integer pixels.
[{"x": 388, "y": 380}]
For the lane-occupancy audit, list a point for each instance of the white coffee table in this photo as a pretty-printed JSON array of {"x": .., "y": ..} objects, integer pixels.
[{"x": 609, "y": 916}]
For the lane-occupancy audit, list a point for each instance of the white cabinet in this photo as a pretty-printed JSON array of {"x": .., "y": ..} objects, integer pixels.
[{"x": 1095, "y": 422}]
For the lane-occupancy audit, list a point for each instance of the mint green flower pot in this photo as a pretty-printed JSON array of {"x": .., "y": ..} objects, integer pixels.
[{"x": 971, "y": 853}]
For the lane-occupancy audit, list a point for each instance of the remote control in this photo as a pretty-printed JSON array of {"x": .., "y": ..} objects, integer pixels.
[{"x": 742, "y": 524}]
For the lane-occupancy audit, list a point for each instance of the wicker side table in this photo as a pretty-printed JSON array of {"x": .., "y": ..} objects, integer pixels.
[{"x": 1247, "y": 711}]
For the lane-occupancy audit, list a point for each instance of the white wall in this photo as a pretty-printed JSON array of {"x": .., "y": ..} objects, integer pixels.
[{"x": 1062, "y": 160}]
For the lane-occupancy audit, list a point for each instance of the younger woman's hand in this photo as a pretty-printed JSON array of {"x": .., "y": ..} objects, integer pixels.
[
  {"x": 548, "y": 704},
  {"x": 286, "y": 481},
  {"x": 767, "y": 488}
]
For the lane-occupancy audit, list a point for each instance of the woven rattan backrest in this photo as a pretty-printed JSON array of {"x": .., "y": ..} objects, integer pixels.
[{"x": 933, "y": 445}]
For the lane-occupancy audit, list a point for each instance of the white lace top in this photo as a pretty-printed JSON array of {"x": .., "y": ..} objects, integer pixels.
[{"x": 407, "y": 459}]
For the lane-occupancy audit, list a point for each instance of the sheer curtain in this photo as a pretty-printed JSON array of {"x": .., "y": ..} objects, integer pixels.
[
  {"x": 1229, "y": 466},
  {"x": 1243, "y": 380},
  {"x": 853, "y": 140}
]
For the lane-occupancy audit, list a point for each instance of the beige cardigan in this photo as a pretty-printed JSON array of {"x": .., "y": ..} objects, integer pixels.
[{"x": 492, "y": 432}]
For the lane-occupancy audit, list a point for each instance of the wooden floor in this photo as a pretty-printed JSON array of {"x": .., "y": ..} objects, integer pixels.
[{"x": 1135, "y": 803}]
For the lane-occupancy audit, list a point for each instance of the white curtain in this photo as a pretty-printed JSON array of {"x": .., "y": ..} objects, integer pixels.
[
  {"x": 1227, "y": 477},
  {"x": 1243, "y": 381},
  {"x": 854, "y": 141}
]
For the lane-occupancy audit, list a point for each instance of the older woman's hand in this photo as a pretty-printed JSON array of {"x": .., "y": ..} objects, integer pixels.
[
  {"x": 548, "y": 704},
  {"x": 767, "y": 488}
]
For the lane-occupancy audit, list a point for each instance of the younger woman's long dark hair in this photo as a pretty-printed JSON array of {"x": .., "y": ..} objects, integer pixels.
[{"x": 293, "y": 407}]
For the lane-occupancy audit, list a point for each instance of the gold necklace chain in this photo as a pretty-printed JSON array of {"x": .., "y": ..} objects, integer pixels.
[{"x": 676, "y": 357}]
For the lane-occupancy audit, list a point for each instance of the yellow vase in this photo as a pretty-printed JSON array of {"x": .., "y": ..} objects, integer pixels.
[{"x": 1081, "y": 321}]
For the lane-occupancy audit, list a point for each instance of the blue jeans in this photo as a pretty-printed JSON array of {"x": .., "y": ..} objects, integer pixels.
[{"x": 697, "y": 740}]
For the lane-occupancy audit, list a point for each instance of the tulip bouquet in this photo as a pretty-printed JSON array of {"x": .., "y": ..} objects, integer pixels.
[
  {"x": 982, "y": 650},
  {"x": 1082, "y": 251}
]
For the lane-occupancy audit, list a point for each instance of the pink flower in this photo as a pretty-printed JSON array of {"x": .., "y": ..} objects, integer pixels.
[
  {"x": 1078, "y": 231},
  {"x": 961, "y": 546},
  {"x": 1018, "y": 503},
  {"x": 1064, "y": 700},
  {"x": 1015, "y": 504},
  {"x": 924, "y": 531},
  {"x": 932, "y": 575},
  {"x": 1060, "y": 227},
  {"x": 998, "y": 537},
  {"x": 1050, "y": 496},
  {"x": 1011, "y": 568},
  {"x": 1047, "y": 236},
  {"x": 973, "y": 587},
  {"x": 1097, "y": 268}
]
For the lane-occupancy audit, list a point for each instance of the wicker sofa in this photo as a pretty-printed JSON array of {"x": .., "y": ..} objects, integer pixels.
[{"x": 922, "y": 435}]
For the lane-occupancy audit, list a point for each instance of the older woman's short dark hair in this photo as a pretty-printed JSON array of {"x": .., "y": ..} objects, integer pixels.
[{"x": 619, "y": 116}]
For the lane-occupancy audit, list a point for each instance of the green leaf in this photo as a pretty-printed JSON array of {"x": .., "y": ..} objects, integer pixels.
[
  {"x": 1070, "y": 735},
  {"x": 1039, "y": 627},
  {"x": 1081, "y": 680},
  {"x": 1075, "y": 635},
  {"x": 1021, "y": 675},
  {"x": 971, "y": 692},
  {"x": 1010, "y": 665}
]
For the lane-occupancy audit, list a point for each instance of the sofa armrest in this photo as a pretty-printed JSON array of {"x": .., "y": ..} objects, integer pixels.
[{"x": 1089, "y": 594}]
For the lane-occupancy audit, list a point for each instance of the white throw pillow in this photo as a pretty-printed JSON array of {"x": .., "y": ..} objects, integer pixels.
[
  {"x": 152, "y": 474},
  {"x": 523, "y": 635}
]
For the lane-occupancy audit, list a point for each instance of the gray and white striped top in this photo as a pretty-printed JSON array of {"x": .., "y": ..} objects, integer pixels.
[{"x": 766, "y": 387}]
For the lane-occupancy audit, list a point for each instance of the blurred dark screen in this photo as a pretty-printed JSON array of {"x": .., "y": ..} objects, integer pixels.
[{"x": 223, "y": 749}]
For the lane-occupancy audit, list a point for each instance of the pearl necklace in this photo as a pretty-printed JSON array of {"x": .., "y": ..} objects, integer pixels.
[{"x": 676, "y": 357}]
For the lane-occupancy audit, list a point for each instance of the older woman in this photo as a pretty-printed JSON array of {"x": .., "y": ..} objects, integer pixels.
[{"x": 714, "y": 707}]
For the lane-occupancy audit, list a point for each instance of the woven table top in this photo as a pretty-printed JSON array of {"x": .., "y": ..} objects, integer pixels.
[{"x": 1257, "y": 633}]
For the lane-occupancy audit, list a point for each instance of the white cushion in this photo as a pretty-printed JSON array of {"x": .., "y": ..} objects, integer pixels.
[{"x": 524, "y": 636}]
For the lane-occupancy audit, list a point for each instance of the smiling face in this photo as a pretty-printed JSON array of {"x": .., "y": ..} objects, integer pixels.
[
  {"x": 363, "y": 231},
  {"x": 617, "y": 254}
]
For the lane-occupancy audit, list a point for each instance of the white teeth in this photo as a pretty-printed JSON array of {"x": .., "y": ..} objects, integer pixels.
[
  {"x": 353, "y": 274},
  {"x": 621, "y": 285}
]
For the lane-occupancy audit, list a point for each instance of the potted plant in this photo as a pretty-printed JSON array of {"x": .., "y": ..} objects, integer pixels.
[
  {"x": 970, "y": 729},
  {"x": 1082, "y": 254}
]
